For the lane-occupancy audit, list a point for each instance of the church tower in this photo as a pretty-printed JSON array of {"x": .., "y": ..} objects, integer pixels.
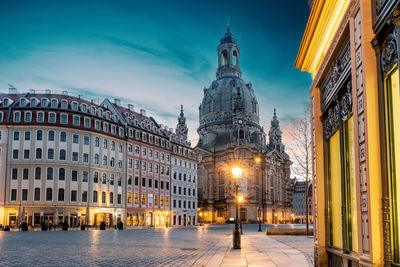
[
  {"x": 230, "y": 133},
  {"x": 182, "y": 129}
]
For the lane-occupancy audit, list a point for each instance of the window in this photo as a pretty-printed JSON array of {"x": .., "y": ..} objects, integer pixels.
[
  {"x": 15, "y": 154},
  {"x": 74, "y": 176},
  {"x": 50, "y": 173},
  {"x": 144, "y": 166},
  {"x": 87, "y": 123},
  {"x": 37, "y": 194},
  {"x": 113, "y": 146},
  {"x": 73, "y": 195},
  {"x": 129, "y": 179},
  {"x": 136, "y": 198},
  {"x": 61, "y": 194},
  {"x": 167, "y": 201},
  {"x": 136, "y": 165},
  {"x": 63, "y": 137},
  {"x": 129, "y": 197},
  {"x": 85, "y": 157},
  {"x": 14, "y": 175},
  {"x": 143, "y": 199},
  {"x": 75, "y": 139},
  {"x": 104, "y": 178},
  {"x": 112, "y": 162},
  {"x": 155, "y": 183},
  {"x": 130, "y": 147},
  {"x": 24, "y": 195},
  {"x": 167, "y": 186},
  {"x": 119, "y": 198},
  {"x": 112, "y": 179},
  {"x": 144, "y": 151},
  {"x": 150, "y": 183},
  {"x": 96, "y": 158},
  {"x": 95, "y": 196},
  {"x": 26, "y": 154},
  {"x": 27, "y": 136},
  {"x": 49, "y": 194},
  {"x": 155, "y": 200},
  {"x": 97, "y": 125},
  {"x": 96, "y": 142},
  {"x": 174, "y": 189},
  {"x": 96, "y": 177},
  {"x": 51, "y": 136},
  {"x": 119, "y": 181},
  {"x": 130, "y": 163},
  {"x": 143, "y": 182},
  {"x": 136, "y": 150},
  {"x": 54, "y": 103},
  {"x": 64, "y": 104},
  {"x": 50, "y": 153},
  {"x": 111, "y": 197},
  {"x": 86, "y": 140},
  {"x": 75, "y": 156},
  {"x": 25, "y": 174},
  {"x": 105, "y": 127},
  {"x": 17, "y": 116},
  {"x": 61, "y": 174},
  {"x": 39, "y": 135},
  {"x": 76, "y": 121},
  {"x": 85, "y": 177},
  {"x": 38, "y": 173},
  {"x": 16, "y": 136},
  {"x": 103, "y": 197},
  {"x": 52, "y": 117},
  {"x": 40, "y": 117},
  {"x": 136, "y": 180},
  {"x": 84, "y": 196},
  {"x": 74, "y": 105},
  {"x": 13, "y": 194},
  {"x": 105, "y": 143},
  {"x": 64, "y": 119},
  {"x": 162, "y": 184},
  {"x": 62, "y": 154},
  {"x": 104, "y": 160}
]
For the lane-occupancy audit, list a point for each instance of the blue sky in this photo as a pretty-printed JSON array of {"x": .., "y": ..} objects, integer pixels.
[{"x": 156, "y": 55}]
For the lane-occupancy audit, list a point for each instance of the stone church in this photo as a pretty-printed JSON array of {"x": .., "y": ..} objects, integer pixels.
[{"x": 230, "y": 134}]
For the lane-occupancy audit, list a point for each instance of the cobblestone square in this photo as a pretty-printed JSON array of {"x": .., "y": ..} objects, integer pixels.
[{"x": 208, "y": 245}]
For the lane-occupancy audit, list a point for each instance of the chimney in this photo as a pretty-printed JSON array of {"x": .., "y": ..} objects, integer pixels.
[
  {"x": 47, "y": 91},
  {"x": 130, "y": 107},
  {"x": 143, "y": 112},
  {"x": 117, "y": 102},
  {"x": 12, "y": 91},
  {"x": 65, "y": 92},
  {"x": 32, "y": 91}
]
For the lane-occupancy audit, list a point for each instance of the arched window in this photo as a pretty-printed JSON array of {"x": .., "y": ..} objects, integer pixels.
[
  {"x": 49, "y": 194},
  {"x": 104, "y": 160},
  {"x": 63, "y": 137},
  {"x": 61, "y": 194},
  {"x": 95, "y": 196},
  {"x": 235, "y": 58},
  {"x": 51, "y": 136},
  {"x": 38, "y": 173},
  {"x": 37, "y": 194},
  {"x": 96, "y": 159},
  {"x": 50, "y": 153},
  {"x": 103, "y": 197},
  {"x": 112, "y": 179},
  {"x": 61, "y": 174},
  {"x": 224, "y": 58},
  {"x": 112, "y": 162},
  {"x": 38, "y": 153},
  {"x": 39, "y": 135},
  {"x": 96, "y": 142},
  {"x": 62, "y": 154}
]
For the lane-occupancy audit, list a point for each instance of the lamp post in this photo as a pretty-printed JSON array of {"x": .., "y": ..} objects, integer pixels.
[
  {"x": 240, "y": 199},
  {"x": 259, "y": 219},
  {"x": 258, "y": 161},
  {"x": 237, "y": 174}
]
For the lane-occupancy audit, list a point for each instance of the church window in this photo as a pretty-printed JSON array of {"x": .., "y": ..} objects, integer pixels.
[
  {"x": 225, "y": 57},
  {"x": 235, "y": 58},
  {"x": 241, "y": 134}
]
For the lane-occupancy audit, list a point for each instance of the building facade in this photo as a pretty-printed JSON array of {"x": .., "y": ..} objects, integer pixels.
[
  {"x": 148, "y": 168},
  {"x": 299, "y": 201},
  {"x": 230, "y": 134},
  {"x": 351, "y": 49},
  {"x": 64, "y": 156},
  {"x": 184, "y": 176}
]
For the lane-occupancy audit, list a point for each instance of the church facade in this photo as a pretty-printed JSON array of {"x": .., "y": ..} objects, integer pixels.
[{"x": 230, "y": 134}]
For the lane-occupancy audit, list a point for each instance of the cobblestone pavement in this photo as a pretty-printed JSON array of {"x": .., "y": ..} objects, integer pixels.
[{"x": 196, "y": 246}]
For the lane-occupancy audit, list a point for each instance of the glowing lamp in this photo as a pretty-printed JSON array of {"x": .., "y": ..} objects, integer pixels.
[{"x": 237, "y": 172}]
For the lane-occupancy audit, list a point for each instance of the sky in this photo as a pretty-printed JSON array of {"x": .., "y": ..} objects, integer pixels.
[{"x": 154, "y": 54}]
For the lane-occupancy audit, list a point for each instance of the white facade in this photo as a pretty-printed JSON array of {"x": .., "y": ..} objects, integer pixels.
[{"x": 184, "y": 191}]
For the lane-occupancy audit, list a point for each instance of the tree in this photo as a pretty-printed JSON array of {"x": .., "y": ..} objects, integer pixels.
[{"x": 301, "y": 152}]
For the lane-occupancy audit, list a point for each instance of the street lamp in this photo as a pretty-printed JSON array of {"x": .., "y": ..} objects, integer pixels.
[
  {"x": 258, "y": 160},
  {"x": 259, "y": 219},
  {"x": 237, "y": 174},
  {"x": 240, "y": 199}
]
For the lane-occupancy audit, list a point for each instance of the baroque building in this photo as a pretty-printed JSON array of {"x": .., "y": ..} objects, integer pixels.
[
  {"x": 184, "y": 176},
  {"x": 351, "y": 48},
  {"x": 229, "y": 134}
]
